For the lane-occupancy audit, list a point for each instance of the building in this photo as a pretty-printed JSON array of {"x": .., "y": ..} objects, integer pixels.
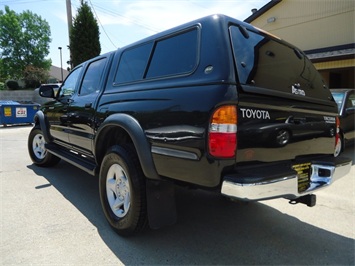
[
  {"x": 55, "y": 74},
  {"x": 323, "y": 29}
]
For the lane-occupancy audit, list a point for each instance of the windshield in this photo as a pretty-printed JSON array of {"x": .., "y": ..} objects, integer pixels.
[
  {"x": 339, "y": 98},
  {"x": 269, "y": 63}
]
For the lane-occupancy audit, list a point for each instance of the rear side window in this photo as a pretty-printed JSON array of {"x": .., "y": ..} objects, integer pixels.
[
  {"x": 175, "y": 55},
  {"x": 133, "y": 63},
  {"x": 91, "y": 80},
  {"x": 268, "y": 63}
]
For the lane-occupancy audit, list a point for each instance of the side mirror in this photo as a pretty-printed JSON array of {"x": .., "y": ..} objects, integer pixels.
[{"x": 46, "y": 91}]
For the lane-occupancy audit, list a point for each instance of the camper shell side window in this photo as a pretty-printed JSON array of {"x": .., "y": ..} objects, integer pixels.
[{"x": 170, "y": 56}]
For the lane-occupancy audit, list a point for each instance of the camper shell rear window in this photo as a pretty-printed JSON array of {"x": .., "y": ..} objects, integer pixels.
[{"x": 269, "y": 63}]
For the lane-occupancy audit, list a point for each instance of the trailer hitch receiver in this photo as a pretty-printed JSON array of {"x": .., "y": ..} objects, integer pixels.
[{"x": 309, "y": 200}]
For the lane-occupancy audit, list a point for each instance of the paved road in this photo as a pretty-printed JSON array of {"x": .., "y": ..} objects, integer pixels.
[{"x": 53, "y": 217}]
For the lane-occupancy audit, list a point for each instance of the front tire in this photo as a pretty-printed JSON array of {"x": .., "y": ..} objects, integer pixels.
[
  {"x": 122, "y": 190},
  {"x": 37, "y": 151}
]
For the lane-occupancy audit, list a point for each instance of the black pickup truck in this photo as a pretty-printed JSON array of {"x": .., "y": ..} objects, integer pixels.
[{"x": 214, "y": 104}]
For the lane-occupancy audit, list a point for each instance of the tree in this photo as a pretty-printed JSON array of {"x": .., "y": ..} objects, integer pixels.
[
  {"x": 34, "y": 76},
  {"x": 24, "y": 41},
  {"x": 84, "y": 36}
]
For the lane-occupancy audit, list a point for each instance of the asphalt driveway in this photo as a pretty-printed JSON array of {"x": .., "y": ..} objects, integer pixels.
[{"x": 53, "y": 217}]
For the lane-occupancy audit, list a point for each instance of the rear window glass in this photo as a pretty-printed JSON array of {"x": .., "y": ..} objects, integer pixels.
[{"x": 268, "y": 63}]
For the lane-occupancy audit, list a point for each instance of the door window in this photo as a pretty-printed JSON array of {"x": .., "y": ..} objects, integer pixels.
[{"x": 68, "y": 87}]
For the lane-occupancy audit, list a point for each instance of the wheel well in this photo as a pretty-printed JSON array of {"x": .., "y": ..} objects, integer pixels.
[
  {"x": 112, "y": 135},
  {"x": 36, "y": 120},
  {"x": 120, "y": 129}
]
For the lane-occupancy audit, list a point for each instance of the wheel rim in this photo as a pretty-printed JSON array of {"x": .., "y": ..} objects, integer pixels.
[
  {"x": 38, "y": 147},
  {"x": 118, "y": 190},
  {"x": 283, "y": 137}
]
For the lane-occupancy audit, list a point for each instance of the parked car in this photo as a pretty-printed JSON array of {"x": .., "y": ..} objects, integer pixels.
[{"x": 345, "y": 99}]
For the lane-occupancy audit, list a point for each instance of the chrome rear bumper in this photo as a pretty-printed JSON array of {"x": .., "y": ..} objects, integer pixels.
[{"x": 285, "y": 186}]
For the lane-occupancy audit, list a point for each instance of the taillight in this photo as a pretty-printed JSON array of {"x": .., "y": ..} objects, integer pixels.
[{"x": 222, "y": 138}]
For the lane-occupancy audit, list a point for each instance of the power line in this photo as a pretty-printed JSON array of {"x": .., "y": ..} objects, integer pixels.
[
  {"x": 307, "y": 21},
  {"x": 19, "y": 2},
  {"x": 102, "y": 25},
  {"x": 136, "y": 21}
]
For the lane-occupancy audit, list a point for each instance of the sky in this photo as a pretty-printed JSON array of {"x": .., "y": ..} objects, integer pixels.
[{"x": 122, "y": 22}]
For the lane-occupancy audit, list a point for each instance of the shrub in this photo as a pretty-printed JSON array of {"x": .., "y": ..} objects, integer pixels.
[
  {"x": 31, "y": 84},
  {"x": 12, "y": 84}
]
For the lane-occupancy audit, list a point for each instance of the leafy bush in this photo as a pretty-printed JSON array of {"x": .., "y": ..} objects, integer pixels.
[
  {"x": 31, "y": 84},
  {"x": 12, "y": 84},
  {"x": 34, "y": 76},
  {"x": 2, "y": 86}
]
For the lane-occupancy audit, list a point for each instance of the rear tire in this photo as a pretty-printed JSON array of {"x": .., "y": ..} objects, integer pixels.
[
  {"x": 122, "y": 190},
  {"x": 37, "y": 151}
]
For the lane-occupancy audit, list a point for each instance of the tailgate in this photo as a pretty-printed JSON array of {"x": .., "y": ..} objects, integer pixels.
[
  {"x": 273, "y": 129},
  {"x": 285, "y": 110}
]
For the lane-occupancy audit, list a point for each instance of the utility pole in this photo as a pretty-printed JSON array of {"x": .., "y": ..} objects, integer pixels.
[
  {"x": 69, "y": 16},
  {"x": 70, "y": 24},
  {"x": 61, "y": 64}
]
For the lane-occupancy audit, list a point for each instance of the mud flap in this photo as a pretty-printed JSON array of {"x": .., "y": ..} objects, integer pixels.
[{"x": 160, "y": 203}]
